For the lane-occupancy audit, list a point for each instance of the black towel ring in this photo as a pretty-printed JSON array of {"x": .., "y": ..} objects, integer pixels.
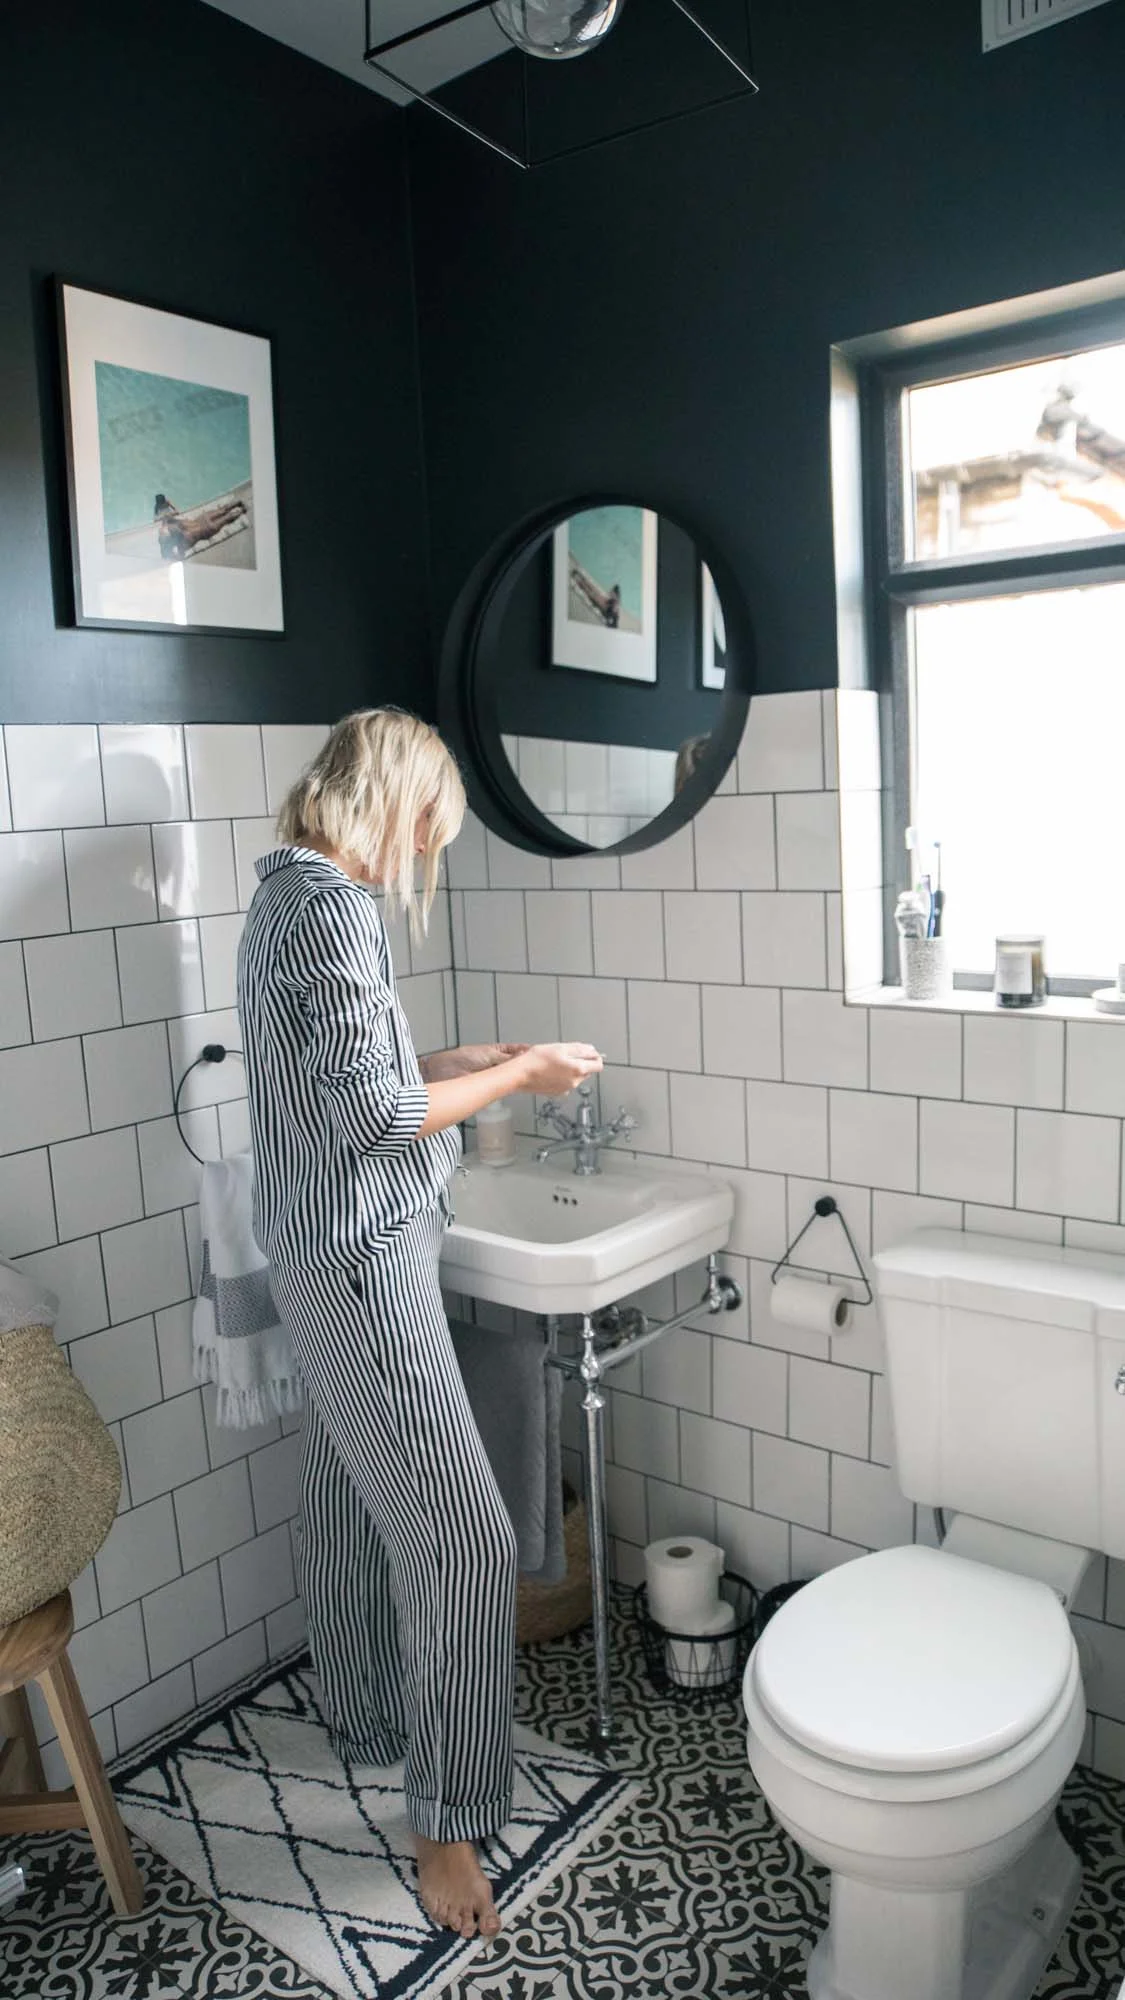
[
  {"x": 213, "y": 1052},
  {"x": 826, "y": 1204}
]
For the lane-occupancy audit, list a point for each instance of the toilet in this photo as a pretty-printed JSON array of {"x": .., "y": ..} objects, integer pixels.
[{"x": 914, "y": 1714}]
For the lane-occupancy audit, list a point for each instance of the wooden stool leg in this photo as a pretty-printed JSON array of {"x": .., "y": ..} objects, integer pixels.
[
  {"x": 16, "y": 1724},
  {"x": 79, "y": 1746}
]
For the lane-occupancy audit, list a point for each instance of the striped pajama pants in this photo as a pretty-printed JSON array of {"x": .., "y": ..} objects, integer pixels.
[{"x": 409, "y": 1557}]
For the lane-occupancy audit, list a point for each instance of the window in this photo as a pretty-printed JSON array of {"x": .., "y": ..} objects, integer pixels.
[{"x": 995, "y": 481}]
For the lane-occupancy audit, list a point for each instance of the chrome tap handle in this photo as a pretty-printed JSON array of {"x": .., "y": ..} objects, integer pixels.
[
  {"x": 621, "y": 1124},
  {"x": 550, "y": 1114}
]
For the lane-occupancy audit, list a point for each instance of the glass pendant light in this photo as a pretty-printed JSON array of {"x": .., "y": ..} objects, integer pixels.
[{"x": 556, "y": 29}]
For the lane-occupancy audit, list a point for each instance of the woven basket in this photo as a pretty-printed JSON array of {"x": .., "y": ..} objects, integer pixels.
[
  {"x": 547, "y": 1610},
  {"x": 60, "y": 1477}
]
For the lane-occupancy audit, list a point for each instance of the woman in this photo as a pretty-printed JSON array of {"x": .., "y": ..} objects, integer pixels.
[
  {"x": 177, "y": 535},
  {"x": 408, "y": 1557}
]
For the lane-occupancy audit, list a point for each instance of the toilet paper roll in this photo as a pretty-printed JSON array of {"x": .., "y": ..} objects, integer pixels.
[
  {"x": 682, "y": 1581},
  {"x": 700, "y": 1662},
  {"x": 818, "y": 1308}
]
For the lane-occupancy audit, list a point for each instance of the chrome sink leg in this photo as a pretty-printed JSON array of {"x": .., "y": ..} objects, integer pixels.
[
  {"x": 12, "y": 1883},
  {"x": 593, "y": 1408}
]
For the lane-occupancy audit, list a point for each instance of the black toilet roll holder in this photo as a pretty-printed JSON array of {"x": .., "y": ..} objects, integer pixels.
[{"x": 825, "y": 1205}]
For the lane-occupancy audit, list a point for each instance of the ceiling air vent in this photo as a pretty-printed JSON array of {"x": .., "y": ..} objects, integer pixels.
[{"x": 1004, "y": 21}]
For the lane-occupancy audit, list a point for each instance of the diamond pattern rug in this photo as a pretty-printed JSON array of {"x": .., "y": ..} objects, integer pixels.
[{"x": 254, "y": 1806}]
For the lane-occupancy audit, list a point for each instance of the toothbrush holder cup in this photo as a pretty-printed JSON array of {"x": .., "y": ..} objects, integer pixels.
[{"x": 925, "y": 967}]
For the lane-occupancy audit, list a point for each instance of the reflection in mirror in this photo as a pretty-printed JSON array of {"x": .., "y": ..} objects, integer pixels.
[{"x": 607, "y": 671}]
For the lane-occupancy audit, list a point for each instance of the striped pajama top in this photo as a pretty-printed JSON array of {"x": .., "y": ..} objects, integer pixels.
[{"x": 336, "y": 1094}]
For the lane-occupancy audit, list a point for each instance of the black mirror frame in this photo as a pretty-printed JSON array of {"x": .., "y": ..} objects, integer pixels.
[{"x": 470, "y": 726}]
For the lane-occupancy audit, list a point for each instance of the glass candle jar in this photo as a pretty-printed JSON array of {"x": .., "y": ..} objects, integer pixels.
[
  {"x": 1021, "y": 977},
  {"x": 496, "y": 1135}
]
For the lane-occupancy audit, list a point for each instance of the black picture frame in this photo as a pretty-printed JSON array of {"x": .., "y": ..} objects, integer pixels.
[{"x": 145, "y": 387}]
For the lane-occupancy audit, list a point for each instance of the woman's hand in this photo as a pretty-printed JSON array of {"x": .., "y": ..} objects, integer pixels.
[
  {"x": 549, "y": 1067},
  {"x": 553, "y": 1068},
  {"x": 468, "y": 1060}
]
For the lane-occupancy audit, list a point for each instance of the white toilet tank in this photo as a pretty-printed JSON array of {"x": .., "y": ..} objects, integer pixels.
[{"x": 1006, "y": 1371}]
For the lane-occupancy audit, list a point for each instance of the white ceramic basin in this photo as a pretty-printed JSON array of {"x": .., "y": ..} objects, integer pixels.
[{"x": 551, "y": 1241}]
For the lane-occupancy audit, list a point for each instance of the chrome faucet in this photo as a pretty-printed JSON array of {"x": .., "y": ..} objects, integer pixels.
[{"x": 586, "y": 1137}]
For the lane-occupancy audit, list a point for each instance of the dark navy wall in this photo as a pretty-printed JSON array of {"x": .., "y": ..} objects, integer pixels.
[
  {"x": 168, "y": 153},
  {"x": 655, "y": 317}
]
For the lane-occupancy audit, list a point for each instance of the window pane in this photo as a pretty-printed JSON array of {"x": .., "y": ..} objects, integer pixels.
[
  {"x": 1018, "y": 727},
  {"x": 1018, "y": 457}
]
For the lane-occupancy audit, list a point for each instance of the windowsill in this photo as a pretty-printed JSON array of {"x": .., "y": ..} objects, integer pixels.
[{"x": 1056, "y": 1007}]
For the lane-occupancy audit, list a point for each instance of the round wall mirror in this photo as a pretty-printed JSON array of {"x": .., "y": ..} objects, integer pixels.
[{"x": 596, "y": 679}]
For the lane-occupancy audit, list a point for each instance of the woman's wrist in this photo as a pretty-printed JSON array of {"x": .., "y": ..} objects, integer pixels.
[{"x": 516, "y": 1073}]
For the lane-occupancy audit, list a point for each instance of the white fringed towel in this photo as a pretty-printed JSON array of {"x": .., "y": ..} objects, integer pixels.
[{"x": 238, "y": 1341}]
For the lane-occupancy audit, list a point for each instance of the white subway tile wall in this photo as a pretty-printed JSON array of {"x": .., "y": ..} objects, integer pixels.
[
  {"x": 710, "y": 973},
  {"x": 33, "y": 899},
  {"x": 144, "y": 774},
  {"x": 716, "y": 993},
  {"x": 595, "y": 791},
  {"x": 121, "y": 903}
]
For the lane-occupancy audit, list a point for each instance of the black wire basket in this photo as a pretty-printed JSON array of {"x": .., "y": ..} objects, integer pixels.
[
  {"x": 689, "y": 1668},
  {"x": 773, "y": 1601}
]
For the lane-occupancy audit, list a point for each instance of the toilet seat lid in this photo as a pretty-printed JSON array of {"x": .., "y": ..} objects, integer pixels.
[{"x": 913, "y": 1660}]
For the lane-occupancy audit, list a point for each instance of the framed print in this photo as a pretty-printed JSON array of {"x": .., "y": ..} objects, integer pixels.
[
  {"x": 713, "y": 634},
  {"x": 604, "y": 593},
  {"x": 171, "y": 469}
]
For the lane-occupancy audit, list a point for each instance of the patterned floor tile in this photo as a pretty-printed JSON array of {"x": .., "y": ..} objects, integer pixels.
[
  {"x": 694, "y": 1892},
  {"x": 60, "y": 1942}
]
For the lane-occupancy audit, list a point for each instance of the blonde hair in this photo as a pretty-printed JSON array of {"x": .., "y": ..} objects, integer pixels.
[{"x": 364, "y": 793}]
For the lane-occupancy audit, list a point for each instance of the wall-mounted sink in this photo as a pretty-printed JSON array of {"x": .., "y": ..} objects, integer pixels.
[{"x": 554, "y": 1242}]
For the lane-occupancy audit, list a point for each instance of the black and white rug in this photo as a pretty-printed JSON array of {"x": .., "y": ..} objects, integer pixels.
[{"x": 317, "y": 1857}]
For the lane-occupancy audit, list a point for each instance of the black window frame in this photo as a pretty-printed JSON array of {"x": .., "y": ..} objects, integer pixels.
[{"x": 894, "y": 586}]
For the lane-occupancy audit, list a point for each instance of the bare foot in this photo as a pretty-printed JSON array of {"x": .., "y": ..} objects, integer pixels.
[{"x": 454, "y": 1888}]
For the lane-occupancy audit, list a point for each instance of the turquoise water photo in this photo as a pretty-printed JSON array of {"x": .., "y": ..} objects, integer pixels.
[
  {"x": 176, "y": 454},
  {"x": 607, "y": 545}
]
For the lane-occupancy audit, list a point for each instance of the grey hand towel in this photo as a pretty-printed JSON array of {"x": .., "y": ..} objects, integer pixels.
[{"x": 516, "y": 1400}]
